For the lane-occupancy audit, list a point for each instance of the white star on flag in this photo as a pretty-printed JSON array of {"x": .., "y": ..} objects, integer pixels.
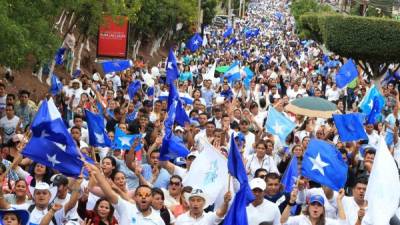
[
  {"x": 52, "y": 159},
  {"x": 278, "y": 128},
  {"x": 125, "y": 141},
  {"x": 371, "y": 103},
  {"x": 169, "y": 66},
  {"x": 318, "y": 164},
  {"x": 348, "y": 74},
  {"x": 196, "y": 42},
  {"x": 99, "y": 138}
]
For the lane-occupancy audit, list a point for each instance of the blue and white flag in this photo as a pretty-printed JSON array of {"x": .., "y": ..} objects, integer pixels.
[
  {"x": 350, "y": 127},
  {"x": 56, "y": 85},
  {"x": 209, "y": 172},
  {"x": 278, "y": 124},
  {"x": 252, "y": 33},
  {"x": 97, "y": 133},
  {"x": 375, "y": 112},
  {"x": 59, "y": 57},
  {"x": 48, "y": 124},
  {"x": 291, "y": 175},
  {"x": 231, "y": 42},
  {"x": 324, "y": 164},
  {"x": 249, "y": 76},
  {"x": 50, "y": 154},
  {"x": 233, "y": 73},
  {"x": 367, "y": 103},
  {"x": 195, "y": 42},
  {"x": 228, "y": 32},
  {"x": 347, "y": 73},
  {"x": 125, "y": 141},
  {"x": 133, "y": 88},
  {"x": 237, "y": 214},
  {"x": 171, "y": 68},
  {"x": 116, "y": 65}
]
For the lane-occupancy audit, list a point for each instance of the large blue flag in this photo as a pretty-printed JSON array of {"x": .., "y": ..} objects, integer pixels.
[
  {"x": 125, "y": 141},
  {"x": 228, "y": 32},
  {"x": 237, "y": 214},
  {"x": 347, "y": 73},
  {"x": 323, "y": 163},
  {"x": 278, "y": 124},
  {"x": 195, "y": 42},
  {"x": 350, "y": 127},
  {"x": 172, "y": 146},
  {"x": 291, "y": 175},
  {"x": 172, "y": 95},
  {"x": 181, "y": 115},
  {"x": 56, "y": 85},
  {"x": 49, "y": 124},
  {"x": 133, "y": 88},
  {"x": 50, "y": 154},
  {"x": 375, "y": 112},
  {"x": 367, "y": 103},
  {"x": 97, "y": 133},
  {"x": 233, "y": 73},
  {"x": 116, "y": 65},
  {"x": 171, "y": 68}
]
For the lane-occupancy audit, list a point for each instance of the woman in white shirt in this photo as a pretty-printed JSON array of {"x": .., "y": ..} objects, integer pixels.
[{"x": 314, "y": 214}]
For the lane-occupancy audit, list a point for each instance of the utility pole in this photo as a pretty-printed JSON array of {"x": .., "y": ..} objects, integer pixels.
[
  {"x": 200, "y": 15},
  {"x": 230, "y": 12},
  {"x": 244, "y": 8}
]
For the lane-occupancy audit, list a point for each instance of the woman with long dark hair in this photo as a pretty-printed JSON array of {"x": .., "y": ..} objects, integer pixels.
[
  {"x": 39, "y": 173},
  {"x": 102, "y": 213}
]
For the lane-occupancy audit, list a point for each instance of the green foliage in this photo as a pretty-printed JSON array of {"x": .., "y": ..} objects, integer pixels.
[
  {"x": 209, "y": 10},
  {"x": 301, "y": 7},
  {"x": 27, "y": 29},
  {"x": 369, "y": 39}
]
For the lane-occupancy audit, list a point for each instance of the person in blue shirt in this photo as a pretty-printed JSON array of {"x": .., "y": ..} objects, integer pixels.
[{"x": 186, "y": 75}]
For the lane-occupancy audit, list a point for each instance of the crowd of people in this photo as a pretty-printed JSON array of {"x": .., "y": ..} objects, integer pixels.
[{"x": 136, "y": 187}]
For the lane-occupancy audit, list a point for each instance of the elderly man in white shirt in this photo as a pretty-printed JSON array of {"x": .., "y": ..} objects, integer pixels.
[
  {"x": 197, "y": 200},
  {"x": 261, "y": 210}
]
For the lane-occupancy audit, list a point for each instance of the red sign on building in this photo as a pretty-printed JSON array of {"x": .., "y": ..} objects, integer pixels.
[{"x": 113, "y": 37}]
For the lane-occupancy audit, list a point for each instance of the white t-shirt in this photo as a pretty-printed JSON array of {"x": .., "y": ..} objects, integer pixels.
[
  {"x": 131, "y": 215},
  {"x": 209, "y": 218},
  {"x": 351, "y": 210},
  {"x": 265, "y": 212},
  {"x": 332, "y": 95},
  {"x": 267, "y": 163},
  {"x": 303, "y": 220},
  {"x": 9, "y": 127}
]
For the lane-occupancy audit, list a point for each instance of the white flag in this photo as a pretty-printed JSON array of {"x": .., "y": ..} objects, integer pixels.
[
  {"x": 210, "y": 73},
  {"x": 209, "y": 172},
  {"x": 383, "y": 187}
]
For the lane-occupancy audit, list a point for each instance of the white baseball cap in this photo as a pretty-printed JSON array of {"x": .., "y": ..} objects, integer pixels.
[{"x": 258, "y": 183}]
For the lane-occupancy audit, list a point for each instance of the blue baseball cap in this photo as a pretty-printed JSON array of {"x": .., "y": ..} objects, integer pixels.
[{"x": 317, "y": 198}]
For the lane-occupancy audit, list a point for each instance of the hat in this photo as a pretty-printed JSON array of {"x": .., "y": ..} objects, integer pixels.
[
  {"x": 22, "y": 214},
  {"x": 197, "y": 193},
  {"x": 59, "y": 179},
  {"x": 193, "y": 154},
  {"x": 44, "y": 186},
  {"x": 258, "y": 183},
  {"x": 179, "y": 128},
  {"x": 317, "y": 198}
]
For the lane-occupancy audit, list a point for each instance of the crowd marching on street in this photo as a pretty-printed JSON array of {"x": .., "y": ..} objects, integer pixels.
[{"x": 244, "y": 124}]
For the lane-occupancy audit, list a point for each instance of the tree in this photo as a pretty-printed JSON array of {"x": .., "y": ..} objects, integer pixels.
[
  {"x": 209, "y": 10},
  {"x": 27, "y": 29},
  {"x": 372, "y": 42}
]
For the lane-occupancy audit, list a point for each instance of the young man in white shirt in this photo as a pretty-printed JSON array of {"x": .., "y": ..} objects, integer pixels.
[
  {"x": 8, "y": 124},
  {"x": 355, "y": 207},
  {"x": 197, "y": 200},
  {"x": 140, "y": 213},
  {"x": 261, "y": 210}
]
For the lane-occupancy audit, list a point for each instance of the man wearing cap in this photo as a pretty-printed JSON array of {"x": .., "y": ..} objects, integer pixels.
[
  {"x": 197, "y": 200},
  {"x": 261, "y": 210},
  {"x": 40, "y": 211}
]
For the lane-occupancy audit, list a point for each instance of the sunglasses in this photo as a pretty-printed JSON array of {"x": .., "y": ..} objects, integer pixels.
[
  {"x": 175, "y": 183},
  {"x": 141, "y": 195}
]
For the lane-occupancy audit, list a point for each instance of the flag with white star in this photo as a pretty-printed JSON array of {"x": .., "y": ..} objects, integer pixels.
[
  {"x": 324, "y": 164},
  {"x": 125, "y": 141},
  {"x": 367, "y": 103},
  {"x": 97, "y": 134},
  {"x": 195, "y": 42},
  {"x": 50, "y": 154},
  {"x": 278, "y": 124},
  {"x": 171, "y": 68}
]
